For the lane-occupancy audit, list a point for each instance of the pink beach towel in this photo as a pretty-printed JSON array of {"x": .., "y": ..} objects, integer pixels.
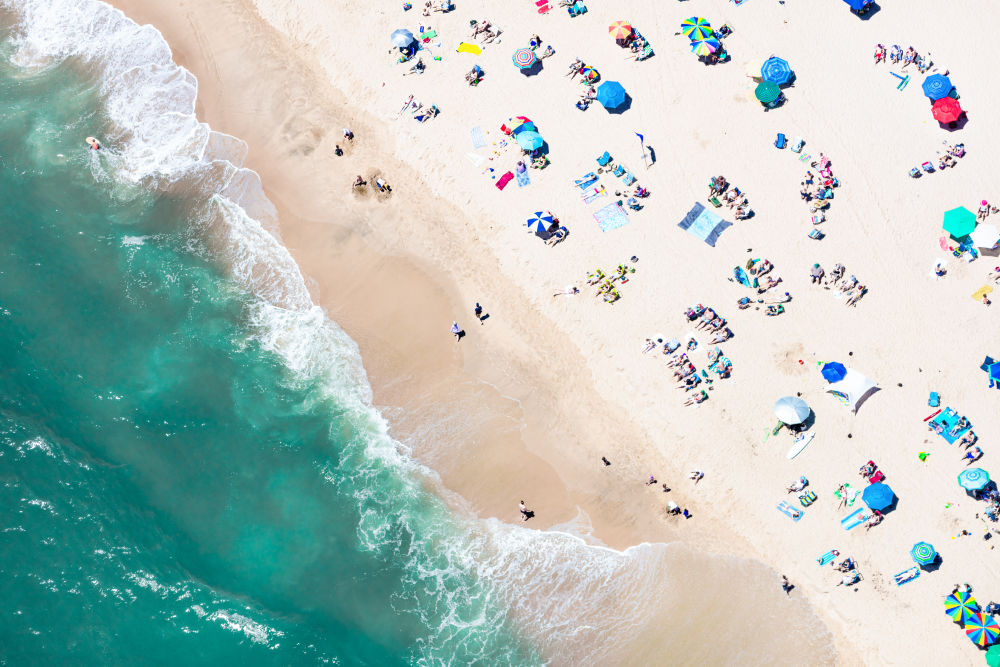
[{"x": 504, "y": 180}]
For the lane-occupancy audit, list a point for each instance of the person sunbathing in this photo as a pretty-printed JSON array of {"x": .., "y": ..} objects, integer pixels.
[
  {"x": 684, "y": 372},
  {"x": 774, "y": 310},
  {"x": 960, "y": 425},
  {"x": 697, "y": 398},
  {"x": 838, "y": 272},
  {"x": 696, "y": 312},
  {"x": 797, "y": 485},
  {"x": 761, "y": 268},
  {"x": 717, "y": 323},
  {"x": 480, "y": 26},
  {"x": 678, "y": 360},
  {"x": 846, "y": 565},
  {"x": 867, "y": 470},
  {"x": 707, "y": 316},
  {"x": 973, "y": 455},
  {"x": 874, "y": 521},
  {"x": 721, "y": 336},
  {"x": 690, "y": 382},
  {"x": 650, "y": 345},
  {"x": 879, "y": 53},
  {"x": 548, "y": 51},
  {"x": 771, "y": 282},
  {"x": 489, "y": 35},
  {"x": 574, "y": 68},
  {"x": 856, "y": 296}
]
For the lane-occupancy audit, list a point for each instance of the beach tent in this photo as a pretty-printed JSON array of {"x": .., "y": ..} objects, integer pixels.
[
  {"x": 704, "y": 224},
  {"x": 947, "y": 110},
  {"x": 937, "y": 86},
  {"x": 852, "y": 389},
  {"x": 985, "y": 236},
  {"x": 611, "y": 94},
  {"x": 833, "y": 372},
  {"x": 878, "y": 497},
  {"x": 959, "y": 222},
  {"x": 791, "y": 410},
  {"x": 776, "y": 70}
]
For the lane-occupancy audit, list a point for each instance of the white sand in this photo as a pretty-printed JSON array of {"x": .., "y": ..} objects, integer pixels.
[{"x": 586, "y": 367}]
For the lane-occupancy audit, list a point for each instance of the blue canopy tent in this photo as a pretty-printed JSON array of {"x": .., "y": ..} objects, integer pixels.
[
  {"x": 878, "y": 497},
  {"x": 834, "y": 372},
  {"x": 776, "y": 70},
  {"x": 611, "y": 94},
  {"x": 937, "y": 86}
]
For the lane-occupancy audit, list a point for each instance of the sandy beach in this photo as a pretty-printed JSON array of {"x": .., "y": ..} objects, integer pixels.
[{"x": 527, "y": 403}]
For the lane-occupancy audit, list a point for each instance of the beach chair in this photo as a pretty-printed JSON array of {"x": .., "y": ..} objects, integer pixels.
[
  {"x": 820, "y": 217},
  {"x": 915, "y": 172},
  {"x": 934, "y": 400},
  {"x": 877, "y": 477},
  {"x": 629, "y": 179},
  {"x": 604, "y": 159},
  {"x": 618, "y": 171},
  {"x": 797, "y": 145},
  {"x": 578, "y": 9},
  {"x": 807, "y": 498},
  {"x": 928, "y": 167},
  {"x": 780, "y": 141}
]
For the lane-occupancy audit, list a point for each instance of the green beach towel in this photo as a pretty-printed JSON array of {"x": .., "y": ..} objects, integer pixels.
[{"x": 850, "y": 493}]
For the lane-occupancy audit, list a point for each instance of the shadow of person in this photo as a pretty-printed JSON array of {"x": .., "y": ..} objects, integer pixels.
[
  {"x": 529, "y": 515},
  {"x": 461, "y": 335},
  {"x": 484, "y": 317}
]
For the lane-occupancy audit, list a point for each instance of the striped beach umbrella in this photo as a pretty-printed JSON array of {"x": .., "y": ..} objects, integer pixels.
[
  {"x": 973, "y": 479},
  {"x": 776, "y": 70},
  {"x": 620, "y": 30},
  {"x": 524, "y": 58},
  {"x": 923, "y": 553},
  {"x": 960, "y": 605},
  {"x": 981, "y": 629},
  {"x": 539, "y": 221},
  {"x": 589, "y": 73},
  {"x": 696, "y": 28},
  {"x": 704, "y": 47}
]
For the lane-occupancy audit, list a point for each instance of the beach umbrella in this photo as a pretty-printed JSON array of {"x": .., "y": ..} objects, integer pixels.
[
  {"x": 993, "y": 656},
  {"x": 937, "y": 86},
  {"x": 589, "y": 73},
  {"x": 776, "y": 70},
  {"x": 946, "y": 110},
  {"x": 524, "y": 58},
  {"x": 981, "y": 629},
  {"x": 993, "y": 371},
  {"x": 985, "y": 236},
  {"x": 960, "y": 605},
  {"x": 611, "y": 95},
  {"x": 767, "y": 92},
  {"x": 923, "y": 553},
  {"x": 959, "y": 222},
  {"x": 878, "y": 496},
  {"x": 753, "y": 69},
  {"x": 525, "y": 126},
  {"x": 529, "y": 140},
  {"x": 540, "y": 221},
  {"x": 696, "y": 28},
  {"x": 705, "y": 46},
  {"x": 833, "y": 372},
  {"x": 620, "y": 30},
  {"x": 402, "y": 38},
  {"x": 791, "y": 410},
  {"x": 973, "y": 479}
]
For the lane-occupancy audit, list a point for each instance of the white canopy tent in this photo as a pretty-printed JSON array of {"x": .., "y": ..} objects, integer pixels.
[{"x": 853, "y": 389}]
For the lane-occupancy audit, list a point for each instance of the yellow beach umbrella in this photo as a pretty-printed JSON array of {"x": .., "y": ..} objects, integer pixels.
[{"x": 620, "y": 30}]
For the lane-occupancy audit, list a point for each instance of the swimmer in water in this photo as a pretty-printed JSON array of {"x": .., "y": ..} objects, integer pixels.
[{"x": 93, "y": 143}]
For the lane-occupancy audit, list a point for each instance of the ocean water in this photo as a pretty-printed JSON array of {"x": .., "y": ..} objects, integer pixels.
[{"x": 191, "y": 470}]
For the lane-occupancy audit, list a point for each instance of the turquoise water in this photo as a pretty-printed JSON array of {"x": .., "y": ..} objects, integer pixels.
[{"x": 190, "y": 474}]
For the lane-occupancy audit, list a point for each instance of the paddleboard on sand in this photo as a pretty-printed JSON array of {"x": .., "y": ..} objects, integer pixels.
[{"x": 800, "y": 444}]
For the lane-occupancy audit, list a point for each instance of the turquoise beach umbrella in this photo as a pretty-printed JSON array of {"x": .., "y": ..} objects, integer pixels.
[
  {"x": 973, "y": 479},
  {"x": 923, "y": 553},
  {"x": 529, "y": 140}
]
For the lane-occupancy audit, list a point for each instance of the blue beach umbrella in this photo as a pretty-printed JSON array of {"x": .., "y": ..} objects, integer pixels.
[
  {"x": 878, "y": 496},
  {"x": 833, "y": 372},
  {"x": 973, "y": 479},
  {"x": 776, "y": 70},
  {"x": 993, "y": 370},
  {"x": 937, "y": 86},
  {"x": 529, "y": 140},
  {"x": 923, "y": 553},
  {"x": 539, "y": 221},
  {"x": 611, "y": 94},
  {"x": 402, "y": 38}
]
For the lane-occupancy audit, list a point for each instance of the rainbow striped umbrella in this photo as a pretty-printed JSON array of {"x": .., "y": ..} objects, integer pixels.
[
  {"x": 705, "y": 47},
  {"x": 620, "y": 30},
  {"x": 696, "y": 28},
  {"x": 589, "y": 73},
  {"x": 960, "y": 606},
  {"x": 524, "y": 58},
  {"x": 982, "y": 629}
]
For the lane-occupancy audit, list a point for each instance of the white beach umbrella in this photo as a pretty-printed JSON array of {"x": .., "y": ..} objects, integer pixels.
[
  {"x": 985, "y": 236},
  {"x": 791, "y": 410}
]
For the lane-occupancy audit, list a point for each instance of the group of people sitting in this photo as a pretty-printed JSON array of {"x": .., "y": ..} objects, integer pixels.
[
  {"x": 606, "y": 286},
  {"x": 819, "y": 186},
  {"x": 443, "y": 6},
  {"x": 721, "y": 192},
  {"x": 844, "y": 286},
  {"x": 708, "y": 319},
  {"x": 588, "y": 77},
  {"x": 908, "y": 57},
  {"x": 950, "y": 153},
  {"x": 850, "y": 572},
  {"x": 484, "y": 30}
]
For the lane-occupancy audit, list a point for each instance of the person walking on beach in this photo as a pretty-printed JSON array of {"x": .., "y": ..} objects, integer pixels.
[
  {"x": 348, "y": 134},
  {"x": 457, "y": 330},
  {"x": 525, "y": 512},
  {"x": 605, "y": 460},
  {"x": 479, "y": 312},
  {"x": 786, "y": 585}
]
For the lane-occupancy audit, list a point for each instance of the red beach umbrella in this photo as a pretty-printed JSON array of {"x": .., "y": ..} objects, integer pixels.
[{"x": 947, "y": 110}]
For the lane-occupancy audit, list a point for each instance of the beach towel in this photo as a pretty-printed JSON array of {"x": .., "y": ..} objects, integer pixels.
[
  {"x": 946, "y": 420},
  {"x": 477, "y": 136},
  {"x": 586, "y": 181},
  {"x": 611, "y": 217},
  {"x": 465, "y": 47},
  {"x": 789, "y": 511},
  {"x": 430, "y": 34},
  {"x": 477, "y": 160},
  {"x": 593, "y": 194},
  {"x": 981, "y": 292},
  {"x": 854, "y": 519},
  {"x": 523, "y": 179},
  {"x": 704, "y": 224},
  {"x": 906, "y": 576},
  {"x": 850, "y": 493},
  {"x": 827, "y": 557},
  {"x": 504, "y": 180}
]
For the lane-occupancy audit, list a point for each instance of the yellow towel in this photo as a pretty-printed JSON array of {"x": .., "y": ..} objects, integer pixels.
[
  {"x": 981, "y": 292},
  {"x": 465, "y": 47}
]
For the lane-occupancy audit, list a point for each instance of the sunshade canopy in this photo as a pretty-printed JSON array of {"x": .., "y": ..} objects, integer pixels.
[
  {"x": 946, "y": 110},
  {"x": 834, "y": 372},
  {"x": 791, "y": 410},
  {"x": 767, "y": 92},
  {"x": 878, "y": 496},
  {"x": 959, "y": 221},
  {"x": 960, "y": 605},
  {"x": 529, "y": 140},
  {"x": 524, "y": 58},
  {"x": 973, "y": 479},
  {"x": 611, "y": 94},
  {"x": 937, "y": 86},
  {"x": 776, "y": 70},
  {"x": 985, "y": 236},
  {"x": 923, "y": 553}
]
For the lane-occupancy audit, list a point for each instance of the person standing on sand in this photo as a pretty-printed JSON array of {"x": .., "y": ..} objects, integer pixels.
[
  {"x": 348, "y": 134},
  {"x": 525, "y": 512},
  {"x": 786, "y": 585},
  {"x": 479, "y": 312},
  {"x": 457, "y": 330},
  {"x": 605, "y": 460}
]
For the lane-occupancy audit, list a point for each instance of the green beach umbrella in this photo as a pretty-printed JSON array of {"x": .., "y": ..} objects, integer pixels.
[
  {"x": 696, "y": 28},
  {"x": 768, "y": 92},
  {"x": 959, "y": 222},
  {"x": 993, "y": 656}
]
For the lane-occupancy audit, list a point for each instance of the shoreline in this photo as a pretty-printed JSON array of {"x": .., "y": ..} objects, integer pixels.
[{"x": 618, "y": 518}]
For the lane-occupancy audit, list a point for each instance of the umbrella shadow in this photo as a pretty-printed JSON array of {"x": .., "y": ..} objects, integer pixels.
[
  {"x": 534, "y": 69},
  {"x": 623, "y": 107},
  {"x": 934, "y": 565},
  {"x": 956, "y": 124}
]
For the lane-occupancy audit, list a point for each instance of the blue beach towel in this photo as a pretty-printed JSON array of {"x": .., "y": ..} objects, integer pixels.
[
  {"x": 789, "y": 511},
  {"x": 854, "y": 519},
  {"x": 611, "y": 217},
  {"x": 477, "y": 136},
  {"x": 523, "y": 179},
  {"x": 947, "y": 419},
  {"x": 906, "y": 576},
  {"x": 827, "y": 557},
  {"x": 704, "y": 224},
  {"x": 586, "y": 181}
]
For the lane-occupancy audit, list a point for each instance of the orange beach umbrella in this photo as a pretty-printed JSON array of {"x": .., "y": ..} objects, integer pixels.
[{"x": 620, "y": 30}]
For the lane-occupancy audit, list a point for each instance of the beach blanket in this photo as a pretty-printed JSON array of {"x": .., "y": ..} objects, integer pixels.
[
  {"x": 906, "y": 576},
  {"x": 465, "y": 47},
  {"x": 946, "y": 420},
  {"x": 789, "y": 511},
  {"x": 827, "y": 557},
  {"x": 523, "y": 179},
  {"x": 477, "y": 160},
  {"x": 611, "y": 217},
  {"x": 854, "y": 519},
  {"x": 430, "y": 34},
  {"x": 586, "y": 181},
  {"x": 504, "y": 180},
  {"x": 477, "y": 136},
  {"x": 704, "y": 224},
  {"x": 594, "y": 194},
  {"x": 851, "y": 494}
]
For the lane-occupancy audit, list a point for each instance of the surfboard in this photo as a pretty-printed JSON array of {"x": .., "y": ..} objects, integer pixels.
[
  {"x": 800, "y": 444},
  {"x": 933, "y": 415}
]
